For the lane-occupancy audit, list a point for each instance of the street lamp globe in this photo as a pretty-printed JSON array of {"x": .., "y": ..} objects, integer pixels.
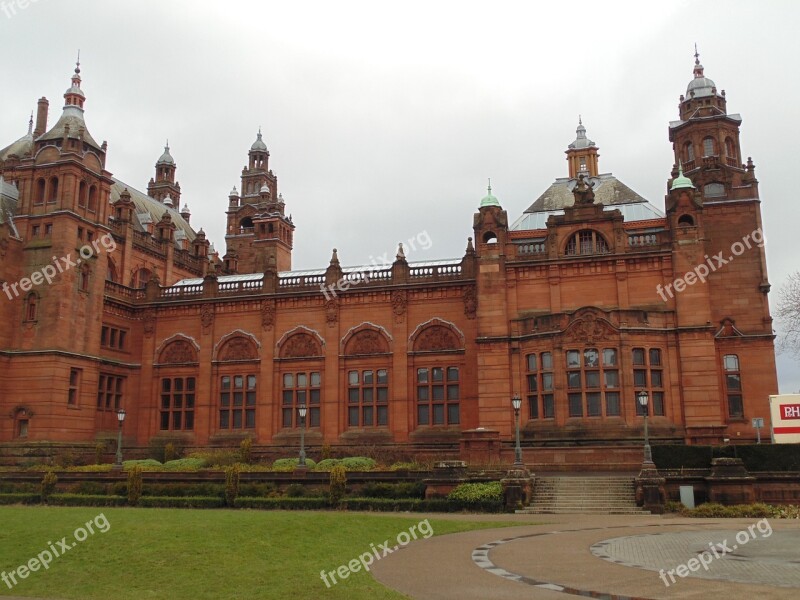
[
  {"x": 516, "y": 402},
  {"x": 121, "y": 416},
  {"x": 643, "y": 398}
]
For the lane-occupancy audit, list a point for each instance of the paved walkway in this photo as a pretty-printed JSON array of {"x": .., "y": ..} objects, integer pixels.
[{"x": 602, "y": 556}]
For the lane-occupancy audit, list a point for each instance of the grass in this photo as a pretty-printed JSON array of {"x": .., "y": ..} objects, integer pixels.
[{"x": 194, "y": 554}]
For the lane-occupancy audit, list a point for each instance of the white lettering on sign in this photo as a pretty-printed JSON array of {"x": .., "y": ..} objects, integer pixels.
[{"x": 790, "y": 411}]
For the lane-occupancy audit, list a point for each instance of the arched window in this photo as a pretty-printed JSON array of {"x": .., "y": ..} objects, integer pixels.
[
  {"x": 83, "y": 278},
  {"x": 53, "y": 197},
  {"x": 688, "y": 154},
  {"x": 709, "y": 147},
  {"x": 141, "y": 277},
  {"x": 82, "y": 193},
  {"x": 31, "y": 306},
  {"x": 490, "y": 237},
  {"x": 246, "y": 223},
  {"x": 686, "y": 220},
  {"x": 586, "y": 242},
  {"x": 730, "y": 148},
  {"x": 92, "y": 203},
  {"x": 111, "y": 273},
  {"x": 41, "y": 187},
  {"x": 713, "y": 190}
]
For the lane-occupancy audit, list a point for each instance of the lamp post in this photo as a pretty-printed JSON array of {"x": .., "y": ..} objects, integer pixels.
[
  {"x": 643, "y": 400},
  {"x": 120, "y": 421},
  {"x": 302, "y": 411},
  {"x": 516, "y": 402}
]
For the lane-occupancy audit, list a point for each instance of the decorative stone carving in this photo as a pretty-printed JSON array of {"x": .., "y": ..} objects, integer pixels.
[
  {"x": 399, "y": 304},
  {"x": 238, "y": 348},
  {"x": 589, "y": 329},
  {"x": 300, "y": 345},
  {"x": 332, "y": 312},
  {"x": 436, "y": 338},
  {"x": 470, "y": 303},
  {"x": 367, "y": 341},
  {"x": 149, "y": 322},
  {"x": 178, "y": 352},
  {"x": 207, "y": 317},
  {"x": 268, "y": 315}
]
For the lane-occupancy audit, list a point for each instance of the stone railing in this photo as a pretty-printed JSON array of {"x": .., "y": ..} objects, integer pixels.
[{"x": 117, "y": 290}]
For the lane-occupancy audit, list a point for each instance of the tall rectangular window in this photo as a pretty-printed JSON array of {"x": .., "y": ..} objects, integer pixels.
[
  {"x": 237, "y": 402},
  {"x": 301, "y": 388},
  {"x": 733, "y": 386},
  {"x": 539, "y": 379},
  {"x": 593, "y": 382},
  {"x": 368, "y": 398},
  {"x": 109, "y": 392},
  {"x": 648, "y": 376},
  {"x": 74, "y": 387},
  {"x": 177, "y": 403},
  {"x": 438, "y": 395}
]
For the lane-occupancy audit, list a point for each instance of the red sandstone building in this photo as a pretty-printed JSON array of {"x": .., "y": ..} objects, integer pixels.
[{"x": 590, "y": 296}]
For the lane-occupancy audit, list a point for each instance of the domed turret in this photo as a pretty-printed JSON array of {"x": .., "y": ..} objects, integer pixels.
[
  {"x": 166, "y": 158},
  {"x": 259, "y": 145},
  {"x": 489, "y": 199}
]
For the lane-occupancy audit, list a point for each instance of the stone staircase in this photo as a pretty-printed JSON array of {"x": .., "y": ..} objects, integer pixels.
[{"x": 598, "y": 495}]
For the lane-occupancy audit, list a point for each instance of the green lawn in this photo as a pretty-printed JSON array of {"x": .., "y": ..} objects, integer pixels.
[{"x": 198, "y": 554}]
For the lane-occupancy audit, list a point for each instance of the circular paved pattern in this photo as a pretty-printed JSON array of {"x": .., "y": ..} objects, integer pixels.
[{"x": 751, "y": 555}]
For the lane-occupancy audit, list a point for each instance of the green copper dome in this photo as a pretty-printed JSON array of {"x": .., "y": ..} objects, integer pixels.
[
  {"x": 489, "y": 199},
  {"x": 681, "y": 181}
]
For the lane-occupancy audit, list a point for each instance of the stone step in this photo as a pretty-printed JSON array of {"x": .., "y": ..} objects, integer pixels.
[{"x": 587, "y": 511}]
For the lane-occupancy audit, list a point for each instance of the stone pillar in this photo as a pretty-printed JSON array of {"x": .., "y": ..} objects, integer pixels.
[
  {"x": 650, "y": 493},
  {"x": 517, "y": 487},
  {"x": 730, "y": 483},
  {"x": 447, "y": 475},
  {"x": 480, "y": 446}
]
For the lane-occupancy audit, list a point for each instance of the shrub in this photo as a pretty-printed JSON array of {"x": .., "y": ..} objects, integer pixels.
[
  {"x": 99, "y": 451},
  {"x": 477, "y": 493},
  {"x": 88, "y": 488},
  {"x": 184, "y": 464},
  {"x": 183, "y": 489},
  {"x": 91, "y": 468},
  {"x": 671, "y": 506},
  {"x": 246, "y": 450},
  {"x": 393, "y": 490},
  {"x": 170, "y": 453},
  {"x": 359, "y": 463},
  {"x": 66, "y": 458},
  {"x": 715, "y": 510},
  {"x": 181, "y": 502},
  {"x": 86, "y": 500},
  {"x": 218, "y": 457},
  {"x": 290, "y": 464},
  {"x": 325, "y": 452},
  {"x": 231, "y": 484},
  {"x": 338, "y": 484},
  {"x": 295, "y": 490},
  {"x": 147, "y": 464},
  {"x": 49, "y": 482},
  {"x": 327, "y": 464},
  {"x": 258, "y": 489},
  {"x": 134, "y": 485},
  {"x": 409, "y": 466},
  {"x": 282, "y": 503},
  {"x": 19, "y": 498}
]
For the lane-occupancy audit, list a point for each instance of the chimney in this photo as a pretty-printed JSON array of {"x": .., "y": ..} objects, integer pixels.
[{"x": 41, "y": 117}]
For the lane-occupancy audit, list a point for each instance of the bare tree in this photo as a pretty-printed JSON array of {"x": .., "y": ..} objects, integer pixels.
[{"x": 788, "y": 315}]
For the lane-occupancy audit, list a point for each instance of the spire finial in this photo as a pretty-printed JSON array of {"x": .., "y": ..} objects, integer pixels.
[
  {"x": 696, "y": 55},
  {"x": 680, "y": 167},
  {"x": 490, "y": 186},
  {"x": 30, "y": 125},
  {"x": 580, "y": 120},
  {"x": 259, "y": 131},
  {"x": 78, "y": 62}
]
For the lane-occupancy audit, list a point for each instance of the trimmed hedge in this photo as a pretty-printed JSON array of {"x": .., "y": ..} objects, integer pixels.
[
  {"x": 392, "y": 490},
  {"x": 181, "y": 502},
  {"x": 282, "y": 503},
  {"x": 417, "y": 505},
  {"x": 351, "y": 463},
  {"x": 290, "y": 464},
  {"x": 477, "y": 493},
  {"x": 86, "y": 500},
  {"x": 752, "y": 511},
  {"x": 20, "y": 498},
  {"x": 756, "y": 457}
]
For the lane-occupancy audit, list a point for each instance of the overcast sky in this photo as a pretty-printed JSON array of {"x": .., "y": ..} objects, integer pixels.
[{"x": 385, "y": 121}]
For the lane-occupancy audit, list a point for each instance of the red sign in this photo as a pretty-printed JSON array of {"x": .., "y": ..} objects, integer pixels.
[{"x": 790, "y": 411}]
